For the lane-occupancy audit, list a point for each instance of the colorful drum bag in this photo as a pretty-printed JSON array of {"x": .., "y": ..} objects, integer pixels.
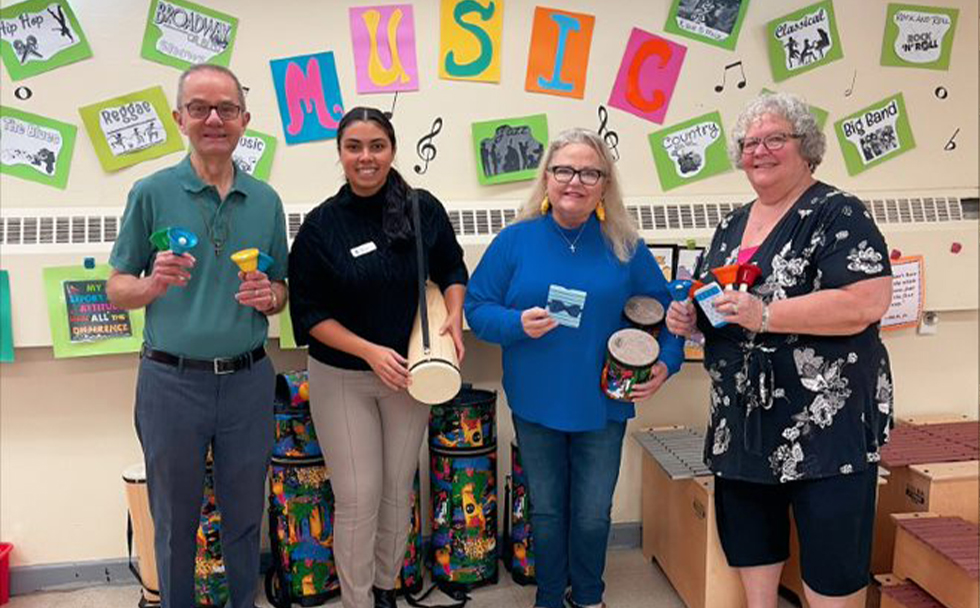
[
  {"x": 300, "y": 505},
  {"x": 295, "y": 436},
  {"x": 210, "y": 582},
  {"x": 464, "y": 516},
  {"x": 301, "y": 533},
  {"x": 410, "y": 578},
  {"x": 521, "y": 542},
  {"x": 466, "y": 422}
]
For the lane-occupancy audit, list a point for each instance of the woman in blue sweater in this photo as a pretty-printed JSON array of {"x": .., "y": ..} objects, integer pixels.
[{"x": 573, "y": 233}]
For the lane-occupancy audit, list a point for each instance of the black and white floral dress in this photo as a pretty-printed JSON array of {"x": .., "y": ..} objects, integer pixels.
[{"x": 786, "y": 407}]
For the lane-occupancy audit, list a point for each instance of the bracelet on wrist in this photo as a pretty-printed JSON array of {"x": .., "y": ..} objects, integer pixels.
[{"x": 764, "y": 326}]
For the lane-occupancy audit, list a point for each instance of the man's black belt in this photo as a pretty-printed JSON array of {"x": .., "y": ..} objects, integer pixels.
[{"x": 227, "y": 365}]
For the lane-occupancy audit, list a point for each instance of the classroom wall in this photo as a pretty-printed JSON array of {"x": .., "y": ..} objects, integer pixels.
[{"x": 66, "y": 425}]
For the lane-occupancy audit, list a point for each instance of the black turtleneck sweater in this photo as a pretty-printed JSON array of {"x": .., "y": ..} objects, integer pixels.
[{"x": 342, "y": 266}]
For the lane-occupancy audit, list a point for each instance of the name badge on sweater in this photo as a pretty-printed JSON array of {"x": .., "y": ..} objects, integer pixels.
[{"x": 362, "y": 249}]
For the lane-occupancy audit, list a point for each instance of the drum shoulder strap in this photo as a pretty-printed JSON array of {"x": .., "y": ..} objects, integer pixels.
[{"x": 420, "y": 257}]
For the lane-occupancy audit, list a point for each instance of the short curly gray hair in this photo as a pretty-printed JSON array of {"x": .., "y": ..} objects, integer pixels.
[{"x": 793, "y": 110}]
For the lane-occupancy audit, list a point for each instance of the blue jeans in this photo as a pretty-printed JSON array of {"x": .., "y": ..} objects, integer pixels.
[{"x": 571, "y": 477}]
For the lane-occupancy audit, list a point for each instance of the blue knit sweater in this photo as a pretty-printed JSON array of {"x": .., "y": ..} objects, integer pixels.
[{"x": 554, "y": 380}]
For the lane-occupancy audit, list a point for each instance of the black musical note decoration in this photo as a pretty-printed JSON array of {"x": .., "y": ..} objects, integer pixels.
[
  {"x": 425, "y": 148},
  {"x": 391, "y": 113},
  {"x": 941, "y": 92},
  {"x": 23, "y": 93},
  {"x": 245, "y": 90},
  {"x": 724, "y": 75},
  {"x": 951, "y": 145},
  {"x": 850, "y": 89},
  {"x": 608, "y": 135}
]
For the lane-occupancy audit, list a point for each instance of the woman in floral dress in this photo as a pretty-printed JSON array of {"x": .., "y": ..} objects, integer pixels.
[{"x": 801, "y": 390}]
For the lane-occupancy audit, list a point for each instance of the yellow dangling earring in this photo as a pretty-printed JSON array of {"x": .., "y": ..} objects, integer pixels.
[
  {"x": 600, "y": 211},
  {"x": 545, "y": 204}
]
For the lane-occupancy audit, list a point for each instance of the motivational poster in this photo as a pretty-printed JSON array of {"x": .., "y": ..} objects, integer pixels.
[
  {"x": 83, "y": 321},
  {"x": 716, "y": 22},
  {"x": 132, "y": 128},
  {"x": 38, "y": 36},
  {"x": 35, "y": 148},
  {"x": 308, "y": 92},
  {"x": 874, "y": 135},
  {"x": 559, "y": 54},
  {"x": 803, "y": 40},
  {"x": 509, "y": 150},
  {"x": 470, "y": 39},
  {"x": 647, "y": 75},
  {"x": 181, "y": 34},
  {"x": 918, "y": 36},
  {"x": 254, "y": 154},
  {"x": 691, "y": 151},
  {"x": 384, "y": 48}
]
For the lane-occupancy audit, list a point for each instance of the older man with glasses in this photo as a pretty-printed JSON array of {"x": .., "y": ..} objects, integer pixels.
[{"x": 204, "y": 377}]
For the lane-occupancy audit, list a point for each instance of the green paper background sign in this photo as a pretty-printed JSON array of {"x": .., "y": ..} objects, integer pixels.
[
  {"x": 918, "y": 36},
  {"x": 6, "y": 320},
  {"x": 819, "y": 114},
  {"x": 58, "y": 315},
  {"x": 287, "y": 340},
  {"x": 36, "y": 148},
  {"x": 132, "y": 128},
  {"x": 181, "y": 34},
  {"x": 719, "y": 26},
  {"x": 34, "y": 40},
  {"x": 691, "y": 151},
  {"x": 803, "y": 40},
  {"x": 509, "y": 150},
  {"x": 254, "y": 153},
  {"x": 874, "y": 135}
]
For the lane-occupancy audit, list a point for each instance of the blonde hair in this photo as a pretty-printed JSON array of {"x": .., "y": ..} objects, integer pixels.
[{"x": 618, "y": 228}]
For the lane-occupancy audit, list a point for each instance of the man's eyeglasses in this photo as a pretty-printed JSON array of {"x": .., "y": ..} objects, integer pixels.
[
  {"x": 226, "y": 110},
  {"x": 772, "y": 142},
  {"x": 564, "y": 175},
  {"x": 557, "y": 306}
]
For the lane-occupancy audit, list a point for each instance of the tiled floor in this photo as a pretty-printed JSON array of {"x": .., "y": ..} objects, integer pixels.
[{"x": 631, "y": 582}]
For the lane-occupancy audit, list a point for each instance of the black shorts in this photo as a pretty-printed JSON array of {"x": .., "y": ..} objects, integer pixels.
[{"x": 834, "y": 517}]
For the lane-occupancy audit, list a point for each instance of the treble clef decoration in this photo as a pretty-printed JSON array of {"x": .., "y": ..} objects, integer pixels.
[
  {"x": 425, "y": 148},
  {"x": 608, "y": 135}
]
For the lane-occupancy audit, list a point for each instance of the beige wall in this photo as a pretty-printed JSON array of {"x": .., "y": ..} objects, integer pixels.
[{"x": 66, "y": 425}]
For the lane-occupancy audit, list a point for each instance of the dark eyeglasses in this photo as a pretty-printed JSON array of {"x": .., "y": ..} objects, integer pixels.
[
  {"x": 556, "y": 306},
  {"x": 564, "y": 175},
  {"x": 226, "y": 110},
  {"x": 772, "y": 142}
]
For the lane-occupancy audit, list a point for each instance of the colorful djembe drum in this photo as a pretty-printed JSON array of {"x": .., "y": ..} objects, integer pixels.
[
  {"x": 463, "y": 459},
  {"x": 520, "y": 554}
]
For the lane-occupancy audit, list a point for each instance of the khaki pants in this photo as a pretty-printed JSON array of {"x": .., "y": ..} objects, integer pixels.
[{"x": 370, "y": 437}]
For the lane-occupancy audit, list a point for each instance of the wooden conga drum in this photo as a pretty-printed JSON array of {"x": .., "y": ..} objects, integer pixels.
[
  {"x": 138, "y": 502},
  {"x": 434, "y": 368}
]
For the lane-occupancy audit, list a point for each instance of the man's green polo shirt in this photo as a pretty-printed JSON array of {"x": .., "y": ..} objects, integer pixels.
[{"x": 202, "y": 320}]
